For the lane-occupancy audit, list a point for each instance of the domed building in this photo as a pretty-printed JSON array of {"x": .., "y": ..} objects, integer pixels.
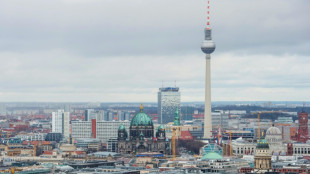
[
  {"x": 141, "y": 136},
  {"x": 274, "y": 139},
  {"x": 262, "y": 158}
]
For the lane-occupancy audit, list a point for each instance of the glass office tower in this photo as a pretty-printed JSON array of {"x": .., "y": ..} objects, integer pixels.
[{"x": 169, "y": 99}]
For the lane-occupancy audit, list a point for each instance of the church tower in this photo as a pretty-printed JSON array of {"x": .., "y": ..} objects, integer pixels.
[
  {"x": 262, "y": 159},
  {"x": 303, "y": 131}
]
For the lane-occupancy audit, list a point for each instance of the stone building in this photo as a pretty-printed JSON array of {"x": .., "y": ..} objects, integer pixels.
[
  {"x": 141, "y": 137},
  {"x": 275, "y": 141},
  {"x": 262, "y": 158}
]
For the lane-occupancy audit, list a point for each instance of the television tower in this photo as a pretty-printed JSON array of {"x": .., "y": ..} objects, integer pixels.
[{"x": 208, "y": 46}]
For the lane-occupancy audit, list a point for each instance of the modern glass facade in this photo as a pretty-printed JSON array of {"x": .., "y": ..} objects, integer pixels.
[{"x": 169, "y": 99}]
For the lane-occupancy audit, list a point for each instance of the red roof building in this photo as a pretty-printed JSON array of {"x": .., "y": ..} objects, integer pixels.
[{"x": 186, "y": 135}]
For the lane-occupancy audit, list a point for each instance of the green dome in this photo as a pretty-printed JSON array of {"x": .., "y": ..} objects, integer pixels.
[
  {"x": 161, "y": 127},
  {"x": 121, "y": 127},
  {"x": 141, "y": 119},
  {"x": 262, "y": 144},
  {"x": 212, "y": 156}
]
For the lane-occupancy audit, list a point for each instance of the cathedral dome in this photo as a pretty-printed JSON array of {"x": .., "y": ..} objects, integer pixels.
[
  {"x": 141, "y": 119},
  {"x": 262, "y": 144},
  {"x": 212, "y": 156},
  {"x": 273, "y": 131},
  {"x": 161, "y": 127},
  {"x": 121, "y": 127}
]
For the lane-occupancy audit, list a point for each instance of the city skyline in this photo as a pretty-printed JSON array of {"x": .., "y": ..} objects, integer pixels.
[{"x": 84, "y": 51}]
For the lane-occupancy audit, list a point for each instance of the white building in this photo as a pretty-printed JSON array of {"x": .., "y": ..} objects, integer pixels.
[
  {"x": 90, "y": 114},
  {"x": 81, "y": 129},
  {"x": 32, "y": 136},
  {"x": 2, "y": 109},
  {"x": 105, "y": 130},
  {"x": 61, "y": 122},
  {"x": 219, "y": 119},
  {"x": 275, "y": 141}
]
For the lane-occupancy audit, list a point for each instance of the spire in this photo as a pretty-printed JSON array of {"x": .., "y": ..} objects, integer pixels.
[
  {"x": 208, "y": 16},
  {"x": 176, "y": 118},
  {"x": 141, "y": 108}
]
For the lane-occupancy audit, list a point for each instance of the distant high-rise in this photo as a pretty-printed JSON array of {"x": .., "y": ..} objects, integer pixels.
[
  {"x": 90, "y": 114},
  {"x": 61, "y": 122},
  {"x": 2, "y": 109},
  {"x": 169, "y": 99},
  {"x": 208, "y": 47}
]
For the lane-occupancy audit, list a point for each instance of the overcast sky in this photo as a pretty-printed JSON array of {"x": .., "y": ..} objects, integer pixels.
[{"x": 121, "y": 50}]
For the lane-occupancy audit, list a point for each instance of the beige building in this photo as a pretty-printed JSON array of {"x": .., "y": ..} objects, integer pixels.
[{"x": 262, "y": 158}]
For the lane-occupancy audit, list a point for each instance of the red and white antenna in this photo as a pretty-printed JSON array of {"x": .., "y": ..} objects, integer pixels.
[{"x": 208, "y": 15}]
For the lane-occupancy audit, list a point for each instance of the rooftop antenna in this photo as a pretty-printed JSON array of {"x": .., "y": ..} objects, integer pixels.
[{"x": 208, "y": 15}]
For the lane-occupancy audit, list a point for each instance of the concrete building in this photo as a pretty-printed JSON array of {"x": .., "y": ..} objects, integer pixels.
[
  {"x": 100, "y": 115},
  {"x": 169, "y": 99},
  {"x": 106, "y": 130},
  {"x": 89, "y": 143},
  {"x": 275, "y": 141},
  {"x": 81, "y": 129},
  {"x": 262, "y": 159},
  {"x": 284, "y": 120},
  {"x": 219, "y": 119},
  {"x": 2, "y": 109},
  {"x": 89, "y": 114},
  {"x": 61, "y": 122},
  {"x": 102, "y": 130},
  {"x": 32, "y": 136}
]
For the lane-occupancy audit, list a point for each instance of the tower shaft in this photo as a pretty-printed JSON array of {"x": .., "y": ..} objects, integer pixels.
[
  {"x": 207, "y": 113},
  {"x": 208, "y": 47}
]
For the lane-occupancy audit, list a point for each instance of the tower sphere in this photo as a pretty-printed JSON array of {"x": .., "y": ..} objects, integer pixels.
[{"x": 208, "y": 46}]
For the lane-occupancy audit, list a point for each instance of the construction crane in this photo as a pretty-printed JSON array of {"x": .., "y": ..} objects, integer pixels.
[
  {"x": 174, "y": 137},
  {"x": 230, "y": 148},
  {"x": 173, "y": 143},
  {"x": 258, "y": 119}
]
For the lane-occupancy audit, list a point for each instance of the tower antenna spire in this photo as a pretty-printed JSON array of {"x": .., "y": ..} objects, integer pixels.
[{"x": 208, "y": 15}]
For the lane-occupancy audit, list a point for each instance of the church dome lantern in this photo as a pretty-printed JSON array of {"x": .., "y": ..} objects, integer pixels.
[{"x": 141, "y": 119}]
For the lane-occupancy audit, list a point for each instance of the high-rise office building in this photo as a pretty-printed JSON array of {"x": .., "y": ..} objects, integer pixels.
[
  {"x": 60, "y": 122},
  {"x": 169, "y": 99},
  {"x": 2, "y": 109},
  {"x": 100, "y": 115},
  {"x": 90, "y": 114}
]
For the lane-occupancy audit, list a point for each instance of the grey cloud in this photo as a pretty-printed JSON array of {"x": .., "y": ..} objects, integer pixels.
[{"x": 102, "y": 50}]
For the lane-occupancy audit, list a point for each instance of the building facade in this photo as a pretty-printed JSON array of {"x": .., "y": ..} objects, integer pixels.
[
  {"x": 102, "y": 130},
  {"x": 219, "y": 119},
  {"x": 61, "y": 122},
  {"x": 169, "y": 99},
  {"x": 107, "y": 130},
  {"x": 275, "y": 141},
  {"x": 81, "y": 129},
  {"x": 262, "y": 158}
]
